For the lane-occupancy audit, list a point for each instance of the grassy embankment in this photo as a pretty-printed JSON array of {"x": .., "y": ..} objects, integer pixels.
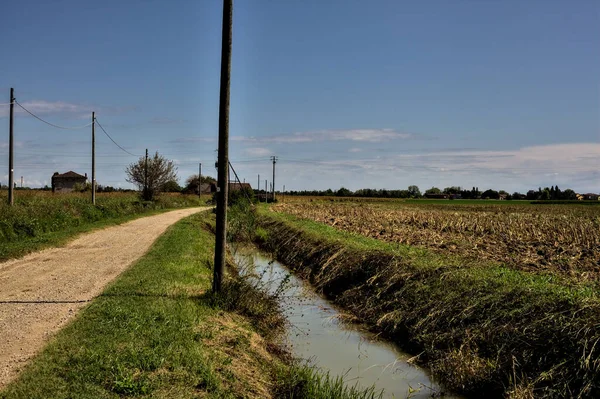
[
  {"x": 157, "y": 331},
  {"x": 40, "y": 219},
  {"x": 481, "y": 327}
]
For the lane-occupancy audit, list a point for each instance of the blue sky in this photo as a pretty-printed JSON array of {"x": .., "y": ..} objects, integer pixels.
[{"x": 381, "y": 94}]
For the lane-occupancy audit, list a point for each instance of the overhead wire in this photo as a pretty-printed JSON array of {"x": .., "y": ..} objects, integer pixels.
[
  {"x": 111, "y": 139},
  {"x": 52, "y": 124}
]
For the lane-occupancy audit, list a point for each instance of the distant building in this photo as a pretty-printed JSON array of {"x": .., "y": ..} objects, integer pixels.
[
  {"x": 207, "y": 188},
  {"x": 64, "y": 183},
  {"x": 235, "y": 186},
  {"x": 591, "y": 197}
]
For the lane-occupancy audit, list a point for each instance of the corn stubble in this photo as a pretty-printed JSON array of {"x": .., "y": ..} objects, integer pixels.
[{"x": 563, "y": 239}]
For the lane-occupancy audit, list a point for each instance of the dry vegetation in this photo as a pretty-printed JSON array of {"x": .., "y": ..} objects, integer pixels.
[
  {"x": 563, "y": 238},
  {"x": 482, "y": 328}
]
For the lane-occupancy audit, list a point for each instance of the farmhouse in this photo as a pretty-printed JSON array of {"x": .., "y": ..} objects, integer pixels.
[
  {"x": 64, "y": 183},
  {"x": 207, "y": 188},
  {"x": 591, "y": 197},
  {"x": 235, "y": 186}
]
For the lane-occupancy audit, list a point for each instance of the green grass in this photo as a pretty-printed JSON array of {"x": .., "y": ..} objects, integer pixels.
[
  {"x": 142, "y": 336},
  {"x": 423, "y": 258},
  {"x": 304, "y": 381},
  {"x": 157, "y": 331},
  {"x": 481, "y": 328},
  {"x": 40, "y": 219}
]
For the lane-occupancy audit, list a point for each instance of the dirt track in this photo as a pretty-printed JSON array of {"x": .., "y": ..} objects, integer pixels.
[{"x": 41, "y": 292}]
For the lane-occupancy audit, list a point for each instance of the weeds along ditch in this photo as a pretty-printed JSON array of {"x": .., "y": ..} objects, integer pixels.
[
  {"x": 482, "y": 330},
  {"x": 255, "y": 299},
  {"x": 36, "y": 215}
]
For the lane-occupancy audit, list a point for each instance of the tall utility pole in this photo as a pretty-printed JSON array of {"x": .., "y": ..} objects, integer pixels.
[
  {"x": 93, "y": 158},
  {"x": 283, "y": 195},
  {"x": 258, "y": 188},
  {"x": 11, "y": 181},
  {"x": 146, "y": 176},
  {"x": 266, "y": 192},
  {"x": 199, "y": 179},
  {"x": 223, "y": 162},
  {"x": 274, "y": 159}
]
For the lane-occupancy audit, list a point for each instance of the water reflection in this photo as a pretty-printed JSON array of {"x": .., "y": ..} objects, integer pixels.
[{"x": 316, "y": 332}]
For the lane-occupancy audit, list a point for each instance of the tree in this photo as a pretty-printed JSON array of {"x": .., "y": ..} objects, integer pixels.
[
  {"x": 452, "y": 190},
  {"x": 545, "y": 194},
  {"x": 171, "y": 187},
  {"x": 557, "y": 193},
  {"x": 490, "y": 194},
  {"x": 569, "y": 194},
  {"x": 151, "y": 178},
  {"x": 343, "y": 192},
  {"x": 414, "y": 191},
  {"x": 433, "y": 190}
]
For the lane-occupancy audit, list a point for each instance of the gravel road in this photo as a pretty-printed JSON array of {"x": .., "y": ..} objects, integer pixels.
[{"x": 41, "y": 292}]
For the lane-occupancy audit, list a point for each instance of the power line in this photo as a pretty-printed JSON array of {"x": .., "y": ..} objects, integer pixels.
[
  {"x": 52, "y": 124},
  {"x": 111, "y": 139}
]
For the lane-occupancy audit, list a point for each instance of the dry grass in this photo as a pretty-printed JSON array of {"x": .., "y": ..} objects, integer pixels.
[
  {"x": 563, "y": 239},
  {"x": 483, "y": 329},
  {"x": 242, "y": 352}
]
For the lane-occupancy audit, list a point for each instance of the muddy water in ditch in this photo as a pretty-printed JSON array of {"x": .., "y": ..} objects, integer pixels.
[{"x": 316, "y": 333}]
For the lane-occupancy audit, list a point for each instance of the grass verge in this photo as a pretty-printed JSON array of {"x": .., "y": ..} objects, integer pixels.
[
  {"x": 481, "y": 329},
  {"x": 157, "y": 331},
  {"x": 39, "y": 220}
]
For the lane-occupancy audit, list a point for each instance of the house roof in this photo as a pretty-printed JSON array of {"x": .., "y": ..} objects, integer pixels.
[
  {"x": 239, "y": 186},
  {"x": 69, "y": 174}
]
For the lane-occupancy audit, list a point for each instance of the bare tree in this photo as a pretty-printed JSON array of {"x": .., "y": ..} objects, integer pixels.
[{"x": 151, "y": 174}]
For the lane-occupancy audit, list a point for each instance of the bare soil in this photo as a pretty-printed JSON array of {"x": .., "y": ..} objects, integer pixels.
[{"x": 42, "y": 291}]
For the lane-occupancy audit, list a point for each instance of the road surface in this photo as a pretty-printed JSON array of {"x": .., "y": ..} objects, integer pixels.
[{"x": 42, "y": 291}]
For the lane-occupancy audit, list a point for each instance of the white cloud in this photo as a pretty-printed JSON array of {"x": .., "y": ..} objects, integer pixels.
[
  {"x": 361, "y": 135},
  {"x": 65, "y": 109},
  {"x": 258, "y": 152},
  {"x": 53, "y": 107},
  {"x": 186, "y": 140},
  {"x": 355, "y": 150},
  {"x": 573, "y": 165}
]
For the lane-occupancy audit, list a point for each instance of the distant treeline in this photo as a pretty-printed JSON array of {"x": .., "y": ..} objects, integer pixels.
[{"x": 547, "y": 193}]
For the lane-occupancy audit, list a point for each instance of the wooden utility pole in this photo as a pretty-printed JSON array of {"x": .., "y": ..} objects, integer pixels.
[
  {"x": 146, "y": 176},
  {"x": 93, "y": 158},
  {"x": 266, "y": 192},
  {"x": 258, "y": 188},
  {"x": 11, "y": 181},
  {"x": 199, "y": 179},
  {"x": 274, "y": 159},
  {"x": 283, "y": 195},
  {"x": 223, "y": 162}
]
